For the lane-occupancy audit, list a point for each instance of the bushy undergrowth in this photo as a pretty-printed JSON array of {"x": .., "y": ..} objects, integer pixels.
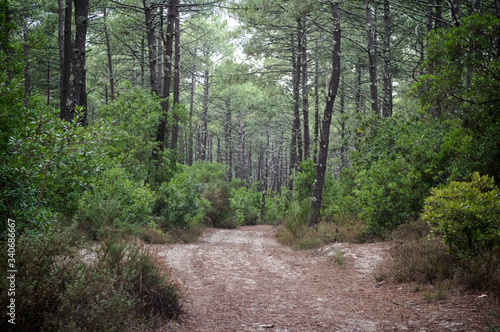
[
  {"x": 420, "y": 258},
  {"x": 61, "y": 288}
]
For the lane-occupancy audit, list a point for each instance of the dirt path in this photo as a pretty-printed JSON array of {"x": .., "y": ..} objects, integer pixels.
[{"x": 244, "y": 280}]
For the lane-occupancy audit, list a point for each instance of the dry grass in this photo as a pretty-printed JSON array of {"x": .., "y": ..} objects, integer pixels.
[
  {"x": 178, "y": 235},
  {"x": 299, "y": 236},
  {"x": 421, "y": 259}
]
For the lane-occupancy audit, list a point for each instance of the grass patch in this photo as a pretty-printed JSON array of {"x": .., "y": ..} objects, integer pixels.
[
  {"x": 438, "y": 294},
  {"x": 295, "y": 233}
]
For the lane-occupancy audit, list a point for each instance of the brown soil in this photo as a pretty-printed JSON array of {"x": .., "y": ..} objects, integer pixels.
[{"x": 244, "y": 280}]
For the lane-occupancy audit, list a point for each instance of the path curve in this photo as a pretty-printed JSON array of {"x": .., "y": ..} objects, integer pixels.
[{"x": 244, "y": 280}]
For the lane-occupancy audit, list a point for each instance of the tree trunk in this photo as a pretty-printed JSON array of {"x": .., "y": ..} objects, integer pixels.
[
  {"x": 372, "y": 56},
  {"x": 316, "y": 100},
  {"x": 326, "y": 121},
  {"x": 65, "y": 111},
  {"x": 227, "y": 143},
  {"x": 219, "y": 151},
  {"x": 177, "y": 79},
  {"x": 305, "y": 92},
  {"x": 191, "y": 104},
  {"x": 295, "y": 152},
  {"x": 265, "y": 180},
  {"x": 343, "y": 146},
  {"x": 387, "y": 107},
  {"x": 357, "y": 87},
  {"x": 167, "y": 78},
  {"x": 143, "y": 74},
  {"x": 78, "y": 93},
  {"x": 298, "y": 72},
  {"x": 110, "y": 63},
  {"x": 204, "y": 117},
  {"x": 150, "y": 35}
]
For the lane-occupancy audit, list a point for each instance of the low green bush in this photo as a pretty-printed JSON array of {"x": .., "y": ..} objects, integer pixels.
[
  {"x": 178, "y": 202},
  {"x": 466, "y": 215},
  {"x": 245, "y": 206},
  {"x": 115, "y": 200}
]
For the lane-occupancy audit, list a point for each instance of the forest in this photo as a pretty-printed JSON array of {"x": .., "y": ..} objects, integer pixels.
[{"x": 334, "y": 120}]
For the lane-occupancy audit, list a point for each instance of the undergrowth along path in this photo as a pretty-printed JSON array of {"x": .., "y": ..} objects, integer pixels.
[{"x": 244, "y": 280}]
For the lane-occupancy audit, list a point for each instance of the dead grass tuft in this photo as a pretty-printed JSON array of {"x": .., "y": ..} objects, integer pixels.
[{"x": 299, "y": 236}]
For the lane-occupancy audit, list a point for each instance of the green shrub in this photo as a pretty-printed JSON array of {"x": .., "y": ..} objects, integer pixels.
[
  {"x": 178, "y": 203},
  {"x": 304, "y": 180},
  {"x": 391, "y": 192},
  {"x": 115, "y": 200},
  {"x": 466, "y": 215},
  {"x": 245, "y": 206},
  {"x": 46, "y": 165},
  {"x": 216, "y": 191}
]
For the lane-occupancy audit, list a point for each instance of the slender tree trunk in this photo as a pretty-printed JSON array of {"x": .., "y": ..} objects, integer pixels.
[
  {"x": 316, "y": 100},
  {"x": 134, "y": 71},
  {"x": 249, "y": 162},
  {"x": 305, "y": 92},
  {"x": 204, "y": 117},
  {"x": 150, "y": 35},
  {"x": 191, "y": 104},
  {"x": 326, "y": 121},
  {"x": 295, "y": 153},
  {"x": 387, "y": 107},
  {"x": 167, "y": 78},
  {"x": 219, "y": 150},
  {"x": 260, "y": 164},
  {"x": 357, "y": 87},
  {"x": 160, "y": 47},
  {"x": 48, "y": 80},
  {"x": 343, "y": 146},
  {"x": 60, "y": 37},
  {"x": 228, "y": 143},
  {"x": 210, "y": 147},
  {"x": 298, "y": 72},
  {"x": 78, "y": 91},
  {"x": 65, "y": 110},
  {"x": 265, "y": 180},
  {"x": 372, "y": 56},
  {"x": 143, "y": 74},
  {"x": 177, "y": 79},
  {"x": 110, "y": 63}
]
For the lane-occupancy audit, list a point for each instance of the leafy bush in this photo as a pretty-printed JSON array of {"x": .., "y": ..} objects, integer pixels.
[
  {"x": 216, "y": 191},
  {"x": 391, "y": 192},
  {"x": 178, "y": 203},
  {"x": 135, "y": 115},
  {"x": 466, "y": 215},
  {"x": 394, "y": 168},
  {"x": 115, "y": 200},
  {"x": 245, "y": 206},
  {"x": 304, "y": 180},
  {"x": 46, "y": 166}
]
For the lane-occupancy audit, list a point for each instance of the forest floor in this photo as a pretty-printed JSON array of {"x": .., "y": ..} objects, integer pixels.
[{"x": 244, "y": 280}]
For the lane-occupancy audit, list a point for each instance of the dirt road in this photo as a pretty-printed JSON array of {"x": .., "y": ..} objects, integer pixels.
[{"x": 244, "y": 280}]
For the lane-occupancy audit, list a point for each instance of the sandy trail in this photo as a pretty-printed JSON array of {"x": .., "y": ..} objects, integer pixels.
[{"x": 244, "y": 280}]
